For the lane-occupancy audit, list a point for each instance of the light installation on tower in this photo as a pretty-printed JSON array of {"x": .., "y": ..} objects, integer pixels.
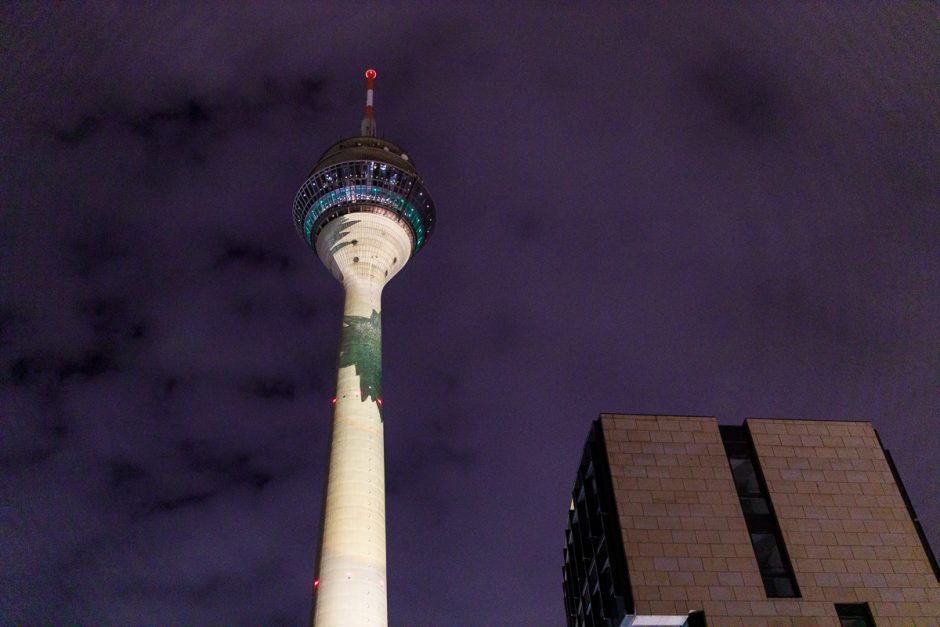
[{"x": 365, "y": 212}]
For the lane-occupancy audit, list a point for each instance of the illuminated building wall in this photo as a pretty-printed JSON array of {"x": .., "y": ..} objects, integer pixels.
[{"x": 775, "y": 522}]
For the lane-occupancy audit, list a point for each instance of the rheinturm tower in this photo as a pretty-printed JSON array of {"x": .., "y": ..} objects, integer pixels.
[{"x": 365, "y": 212}]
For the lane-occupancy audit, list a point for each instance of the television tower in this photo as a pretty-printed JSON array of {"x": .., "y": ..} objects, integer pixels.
[{"x": 365, "y": 212}]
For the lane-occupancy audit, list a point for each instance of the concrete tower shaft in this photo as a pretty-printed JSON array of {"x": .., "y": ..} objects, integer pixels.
[
  {"x": 363, "y": 250},
  {"x": 366, "y": 213}
]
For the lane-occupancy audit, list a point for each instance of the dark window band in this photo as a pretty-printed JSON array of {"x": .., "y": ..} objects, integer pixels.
[
  {"x": 596, "y": 582},
  {"x": 762, "y": 525},
  {"x": 854, "y": 615}
]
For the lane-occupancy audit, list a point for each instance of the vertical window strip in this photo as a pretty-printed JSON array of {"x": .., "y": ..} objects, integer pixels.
[{"x": 762, "y": 525}]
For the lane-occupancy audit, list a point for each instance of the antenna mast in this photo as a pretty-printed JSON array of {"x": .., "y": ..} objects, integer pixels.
[{"x": 368, "y": 122}]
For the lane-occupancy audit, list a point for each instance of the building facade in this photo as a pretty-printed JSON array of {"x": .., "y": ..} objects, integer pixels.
[{"x": 676, "y": 520}]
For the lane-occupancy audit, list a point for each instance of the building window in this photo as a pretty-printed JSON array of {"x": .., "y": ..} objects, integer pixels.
[
  {"x": 762, "y": 526},
  {"x": 854, "y": 615}
]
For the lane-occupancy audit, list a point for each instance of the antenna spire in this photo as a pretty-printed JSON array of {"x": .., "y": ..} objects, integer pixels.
[{"x": 368, "y": 122}]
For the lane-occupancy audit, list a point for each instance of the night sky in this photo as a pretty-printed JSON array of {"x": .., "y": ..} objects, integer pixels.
[{"x": 683, "y": 209}]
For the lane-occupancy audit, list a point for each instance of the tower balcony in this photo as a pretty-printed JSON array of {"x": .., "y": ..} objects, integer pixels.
[{"x": 364, "y": 174}]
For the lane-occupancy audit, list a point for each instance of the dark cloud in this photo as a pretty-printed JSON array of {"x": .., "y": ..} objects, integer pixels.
[
  {"x": 231, "y": 469},
  {"x": 23, "y": 371},
  {"x": 188, "y": 116},
  {"x": 529, "y": 228},
  {"x": 185, "y": 500},
  {"x": 109, "y": 318},
  {"x": 34, "y": 371},
  {"x": 89, "y": 364},
  {"x": 447, "y": 379},
  {"x": 123, "y": 471},
  {"x": 7, "y": 319},
  {"x": 80, "y": 131},
  {"x": 253, "y": 256},
  {"x": 435, "y": 456},
  {"x": 185, "y": 124},
  {"x": 169, "y": 385},
  {"x": 744, "y": 93},
  {"x": 43, "y": 431},
  {"x": 303, "y": 311},
  {"x": 16, "y": 461},
  {"x": 272, "y": 388},
  {"x": 193, "y": 474}
]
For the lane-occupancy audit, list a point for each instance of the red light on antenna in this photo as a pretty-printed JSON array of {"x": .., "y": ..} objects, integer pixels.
[
  {"x": 334, "y": 400},
  {"x": 316, "y": 583},
  {"x": 370, "y": 73}
]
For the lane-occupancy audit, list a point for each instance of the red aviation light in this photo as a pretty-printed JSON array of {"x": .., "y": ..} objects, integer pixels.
[
  {"x": 316, "y": 583},
  {"x": 379, "y": 401},
  {"x": 334, "y": 400},
  {"x": 370, "y": 73}
]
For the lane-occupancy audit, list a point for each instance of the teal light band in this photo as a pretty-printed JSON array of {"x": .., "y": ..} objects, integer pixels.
[{"x": 363, "y": 193}]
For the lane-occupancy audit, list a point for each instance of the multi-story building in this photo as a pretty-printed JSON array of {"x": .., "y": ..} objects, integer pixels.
[{"x": 675, "y": 520}]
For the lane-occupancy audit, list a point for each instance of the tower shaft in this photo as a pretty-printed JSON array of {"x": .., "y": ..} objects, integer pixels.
[
  {"x": 351, "y": 589},
  {"x": 366, "y": 212},
  {"x": 365, "y": 249}
]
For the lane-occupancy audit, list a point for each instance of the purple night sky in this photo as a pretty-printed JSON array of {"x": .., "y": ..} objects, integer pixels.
[{"x": 684, "y": 209}]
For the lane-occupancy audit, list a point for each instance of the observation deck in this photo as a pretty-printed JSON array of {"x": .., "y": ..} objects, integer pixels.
[{"x": 364, "y": 174}]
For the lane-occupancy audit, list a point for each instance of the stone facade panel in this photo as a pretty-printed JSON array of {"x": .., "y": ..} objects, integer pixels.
[{"x": 844, "y": 524}]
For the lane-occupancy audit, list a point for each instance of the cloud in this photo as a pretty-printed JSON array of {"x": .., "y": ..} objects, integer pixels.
[
  {"x": 81, "y": 130},
  {"x": 188, "y": 125},
  {"x": 122, "y": 471},
  {"x": 271, "y": 388},
  {"x": 743, "y": 92},
  {"x": 253, "y": 256}
]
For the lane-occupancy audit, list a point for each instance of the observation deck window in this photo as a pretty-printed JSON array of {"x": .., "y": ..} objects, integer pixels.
[{"x": 364, "y": 182}]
